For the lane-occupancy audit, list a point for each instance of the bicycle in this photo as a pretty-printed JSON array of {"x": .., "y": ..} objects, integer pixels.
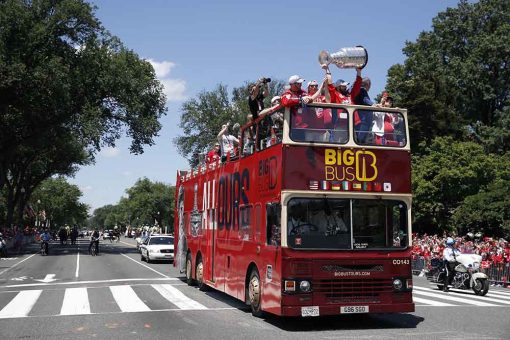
[
  {"x": 44, "y": 248},
  {"x": 95, "y": 248}
]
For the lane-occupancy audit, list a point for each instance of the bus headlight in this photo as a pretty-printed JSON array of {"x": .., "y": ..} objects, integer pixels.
[
  {"x": 397, "y": 284},
  {"x": 305, "y": 286}
]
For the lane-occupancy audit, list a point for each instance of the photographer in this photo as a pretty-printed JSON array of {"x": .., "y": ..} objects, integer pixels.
[{"x": 257, "y": 94}]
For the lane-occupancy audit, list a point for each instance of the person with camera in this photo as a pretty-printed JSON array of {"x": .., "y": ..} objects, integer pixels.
[
  {"x": 258, "y": 92},
  {"x": 227, "y": 141}
]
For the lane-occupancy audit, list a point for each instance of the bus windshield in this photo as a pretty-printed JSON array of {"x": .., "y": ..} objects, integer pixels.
[
  {"x": 345, "y": 224},
  {"x": 330, "y": 125}
]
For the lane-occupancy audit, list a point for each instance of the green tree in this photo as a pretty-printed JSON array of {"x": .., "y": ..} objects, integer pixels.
[
  {"x": 61, "y": 203},
  {"x": 458, "y": 74},
  {"x": 63, "y": 74},
  {"x": 203, "y": 116},
  {"x": 150, "y": 202},
  {"x": 447, "y": 175}
]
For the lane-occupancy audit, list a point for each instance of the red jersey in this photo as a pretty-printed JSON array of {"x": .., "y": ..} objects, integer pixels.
[{"x": 293, "y": 100}]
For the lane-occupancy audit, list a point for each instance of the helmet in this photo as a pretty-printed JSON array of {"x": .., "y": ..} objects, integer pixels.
[{"x": 450, "y": 241}]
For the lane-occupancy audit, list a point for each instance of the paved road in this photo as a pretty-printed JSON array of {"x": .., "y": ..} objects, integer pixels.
[{"x": 71, "y": 295}]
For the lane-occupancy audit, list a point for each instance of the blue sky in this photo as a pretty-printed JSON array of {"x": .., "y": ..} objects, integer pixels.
[{"x": 195, "y": 45}]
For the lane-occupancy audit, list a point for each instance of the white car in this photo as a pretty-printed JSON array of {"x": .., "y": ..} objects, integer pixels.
[{"x": 157, "y": 247}]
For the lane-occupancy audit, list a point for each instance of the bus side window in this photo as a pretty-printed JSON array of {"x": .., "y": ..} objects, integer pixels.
[
  {"x": 245, "y": 216},
  {"x": 273, "y": 223}
]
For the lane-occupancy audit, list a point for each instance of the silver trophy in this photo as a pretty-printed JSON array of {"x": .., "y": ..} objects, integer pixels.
[{"x": 346, "y": 57}]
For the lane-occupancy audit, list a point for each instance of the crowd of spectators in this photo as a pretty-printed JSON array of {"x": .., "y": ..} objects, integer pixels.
[{"x": 495, "y": 252}]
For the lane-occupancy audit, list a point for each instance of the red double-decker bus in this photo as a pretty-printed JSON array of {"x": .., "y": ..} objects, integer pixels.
[{"x": 308, "y": 219}]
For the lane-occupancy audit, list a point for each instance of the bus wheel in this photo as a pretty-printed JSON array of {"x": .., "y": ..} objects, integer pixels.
[
  {"x": 254, "y": 293},
  {"x": 200, "y": 275},
  {"x": 189, "y": 271}
]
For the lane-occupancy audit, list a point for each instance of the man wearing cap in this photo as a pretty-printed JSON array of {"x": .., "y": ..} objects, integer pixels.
[
  {"x": 339, "y": 93},
  {"x": 293, "y": 98}
]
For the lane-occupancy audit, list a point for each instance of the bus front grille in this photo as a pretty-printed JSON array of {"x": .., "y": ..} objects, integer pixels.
[{"x": 352, "y": 290}]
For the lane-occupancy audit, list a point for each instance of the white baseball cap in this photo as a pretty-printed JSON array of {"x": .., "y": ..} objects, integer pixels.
[
  {"x": 312, "y": 82},
  {"x": 274, "y": 99},
  {"x": 295, "y": 79},
  {"x": 341, "y": 82}
]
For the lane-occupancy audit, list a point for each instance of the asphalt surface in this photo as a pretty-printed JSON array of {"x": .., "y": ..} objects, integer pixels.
[{"x": 72, "y": 295}]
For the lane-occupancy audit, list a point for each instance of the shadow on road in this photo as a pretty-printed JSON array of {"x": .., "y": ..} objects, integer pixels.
[{"x": 345, "y": 322}]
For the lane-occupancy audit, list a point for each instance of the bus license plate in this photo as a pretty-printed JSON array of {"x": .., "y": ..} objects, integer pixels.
[
  {"x": 353, "y": 309},
  {"x": 310, "y": 311}
]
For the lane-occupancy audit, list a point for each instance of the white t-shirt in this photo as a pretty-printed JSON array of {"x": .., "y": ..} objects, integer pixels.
[{"x": 227, "y": 145}]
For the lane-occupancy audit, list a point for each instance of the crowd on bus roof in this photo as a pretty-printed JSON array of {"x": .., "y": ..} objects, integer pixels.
[
  {"x": 493, "y": 250},
  {"x": 380, "y": 124}
]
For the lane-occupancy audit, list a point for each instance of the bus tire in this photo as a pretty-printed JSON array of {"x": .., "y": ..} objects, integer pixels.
[
  {"x": 189, "y": 271},
  {"x": 254, "y": 293},
  {"x": 199, "y": 273}
]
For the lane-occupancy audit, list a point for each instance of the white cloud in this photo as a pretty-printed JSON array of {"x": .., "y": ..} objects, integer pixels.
[
  {"x": 174, "y": 89},
  {"x": 162, "y": 68},
  {"x": 127, "y": 173},
  {"x": 109, "y": 152},
  {"x": 87, "y": 188}
]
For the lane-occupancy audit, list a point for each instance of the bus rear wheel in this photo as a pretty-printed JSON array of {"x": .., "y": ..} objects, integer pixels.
[
  {"x": 189, "y": 271},
  {"x": 200, "y": 275},
  {"x": 254, "y": 293}
]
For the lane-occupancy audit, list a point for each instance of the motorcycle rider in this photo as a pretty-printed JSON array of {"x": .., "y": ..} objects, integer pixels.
[
  {"x": 94, "y": 240},
  {"x": 450, "y": 254},
  {"x": 45, "y": 239}
]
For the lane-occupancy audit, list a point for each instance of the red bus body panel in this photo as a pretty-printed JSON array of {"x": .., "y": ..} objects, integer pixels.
[{"x": 230, "y": 200}]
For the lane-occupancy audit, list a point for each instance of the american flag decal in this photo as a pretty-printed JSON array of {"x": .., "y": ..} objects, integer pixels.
[{"x": 314, "y": 185}]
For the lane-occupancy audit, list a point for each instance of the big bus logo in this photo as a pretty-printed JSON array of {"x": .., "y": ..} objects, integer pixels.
[{"x": 350, "y": 165}]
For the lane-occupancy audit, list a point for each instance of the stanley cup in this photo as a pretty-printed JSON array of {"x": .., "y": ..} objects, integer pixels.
[{"x": 346, "y": 57}]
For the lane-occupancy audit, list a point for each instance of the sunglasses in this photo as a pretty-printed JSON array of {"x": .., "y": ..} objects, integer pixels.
[{"x": 316, "y": 86}]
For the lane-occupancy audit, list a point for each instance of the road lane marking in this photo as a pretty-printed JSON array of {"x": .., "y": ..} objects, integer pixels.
[
  {"x": 3, "y": 271},
  {"x": 21, "y": 305},
  {"x": 129, "y": 244},
  {"x": 141, "y": 264},
  {"x": 488, "y": 297},
  {"x": 431, "y": 302},
  {"x": 446, "y": 296},
  {"x": 176, "y": 297},
  {"x": 77, "y": 264},
  {"x": 87, "y": 282},
  {"x": 499, "y": 295},
  {"x": 127, "y": 300},
  {"x": 76, "y": 301}
]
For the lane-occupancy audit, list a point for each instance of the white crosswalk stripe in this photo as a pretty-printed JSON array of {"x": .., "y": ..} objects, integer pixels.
[
  {"x": 176, "y": 297},
  {"x": 76, "y": 301},
  {"x": 159, "y": 297},
  {"x": 421, "y": 291},
  {"x": 21, "y": 305},
  {"x": 127, "y": 299}
]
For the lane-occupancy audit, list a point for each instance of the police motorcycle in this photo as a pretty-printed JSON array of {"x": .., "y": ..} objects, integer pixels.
[{"x": 467, "y": 274}]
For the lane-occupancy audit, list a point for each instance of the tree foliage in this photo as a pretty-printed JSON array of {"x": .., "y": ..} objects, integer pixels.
[
  {"x": 61, "y": 203},
  {"x": 146, "y": 203},
  {"x": 450, "y": 178},
  {"x": 66, "y": 81},
  {"x": 203, "y": 116},
  {"x": 458, "y": 74}
]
